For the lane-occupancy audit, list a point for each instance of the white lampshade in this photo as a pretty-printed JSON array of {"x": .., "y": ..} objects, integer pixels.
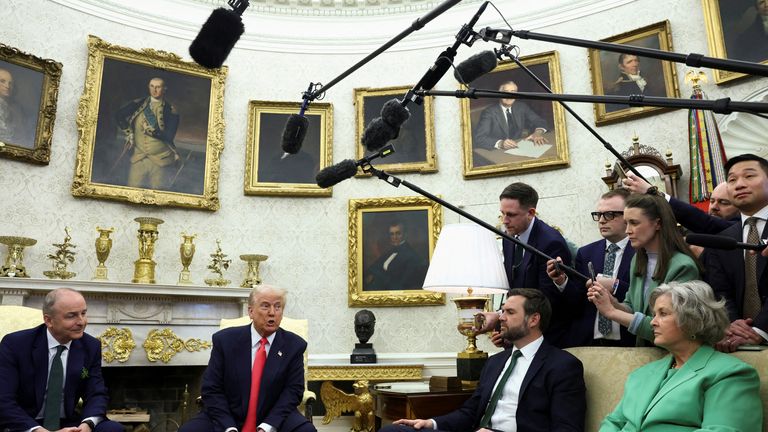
[{"x": 467, "y": 256}]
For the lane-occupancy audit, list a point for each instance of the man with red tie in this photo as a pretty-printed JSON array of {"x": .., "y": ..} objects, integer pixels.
[{"x": 255, "y": 377}]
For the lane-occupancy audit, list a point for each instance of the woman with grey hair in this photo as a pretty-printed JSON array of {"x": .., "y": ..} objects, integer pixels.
[{"x": 695, "y": 387}]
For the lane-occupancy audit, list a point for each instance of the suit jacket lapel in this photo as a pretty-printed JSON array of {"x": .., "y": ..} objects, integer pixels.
[
  {"x": 688, "y": 371},
  {"x": 523, "y": 270},
  {"x": 538, "y": 361},
  {"x": 40, "y": 361},
  {"x": 494, "y": 375},
  {"x": 243, "y": 365},
  {"x": 271, "y": 367},
  {"x": 75, "y": 364}
]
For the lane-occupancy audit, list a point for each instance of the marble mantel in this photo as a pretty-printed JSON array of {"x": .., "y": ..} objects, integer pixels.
[{"x": 167, "y": 324}]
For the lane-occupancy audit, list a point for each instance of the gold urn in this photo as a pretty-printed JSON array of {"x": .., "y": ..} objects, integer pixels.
[
  {"x": 187, "y": 252},
  {"x": 144, "y": 267},
  {"x": 103, "y": 247},
  {"x": 14, "y": 261}
]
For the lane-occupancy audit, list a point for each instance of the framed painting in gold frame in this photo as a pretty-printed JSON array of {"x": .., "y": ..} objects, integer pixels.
[
  {"x": 493, "y": 146},
  {"x": 151, "y": 128},
  {"x": 618, "y": 74},
  {"x": 268, "y": 171},
  {"x": 736, "y": 30},
  {"x": 390, "y": 243},
  {"x": 29, "y": 89},
  {"x": 415, "y": 144}
]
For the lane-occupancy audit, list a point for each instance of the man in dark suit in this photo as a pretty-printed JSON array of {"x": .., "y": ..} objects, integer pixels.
[
  {"x": 737, "y": 276},
  {"x": 234, "y": 398},
  {"x": 46, "y": 370},
  {"x": 587, "y": 326},
  {"x": 517, "y": 204},
  {"x": 502, "y": 126},
  {"x": 399, "y": 268},
  {"x": 529, "y": 387}
]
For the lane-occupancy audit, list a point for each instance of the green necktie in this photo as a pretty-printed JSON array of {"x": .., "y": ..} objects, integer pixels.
[
  {"x": 486, "y": 420},
  {"x": 54, "y": 394}
]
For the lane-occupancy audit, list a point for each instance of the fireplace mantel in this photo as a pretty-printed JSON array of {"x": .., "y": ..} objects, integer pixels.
[{"x": 177, "y": 320}]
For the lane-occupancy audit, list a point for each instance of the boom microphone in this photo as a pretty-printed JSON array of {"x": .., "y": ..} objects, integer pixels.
[
  {"x": 383, "y": 129},
  {"x": 475, "y": 67},
  {"x": 720, "y": 242},
  {"x": 218, "y": 35},
  {"x": 333, "y": 174}
]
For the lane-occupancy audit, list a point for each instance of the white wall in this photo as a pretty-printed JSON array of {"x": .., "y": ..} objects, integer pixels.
[{"x": 305, "y": 238}]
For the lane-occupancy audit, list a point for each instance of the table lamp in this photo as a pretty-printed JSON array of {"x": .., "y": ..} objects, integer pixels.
[{"x": 467, "y": 261}]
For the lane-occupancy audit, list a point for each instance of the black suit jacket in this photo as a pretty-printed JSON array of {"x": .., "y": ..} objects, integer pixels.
[
  {"x": 698, "y": 221},
  {"x": 725, "y": 273},
  {"x": 552, "y": 395},
  {"x": 24, "y": 377},
  {"x": 227, "y": 380},
  {"x": 532, "y": 273},
  {"x": 492, "y": 125}
]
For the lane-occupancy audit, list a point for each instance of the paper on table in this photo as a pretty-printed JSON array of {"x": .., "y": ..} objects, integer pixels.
[{"x": 527, "y": 148}]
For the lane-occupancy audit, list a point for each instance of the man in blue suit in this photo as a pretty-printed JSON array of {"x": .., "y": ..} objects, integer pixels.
[
  {"x": 586, "y": 327},
  {"x": 227, "y": 390},
  {"x": 46, "y": 370},
  {"x": 531, "y": 387},
  {"x": 526, "y": 270}
]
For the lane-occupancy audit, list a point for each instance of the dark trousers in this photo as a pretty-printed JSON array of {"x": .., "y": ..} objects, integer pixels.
[
  {"x": 103, "y": 426},
  {"x": 295, "y": 422}
]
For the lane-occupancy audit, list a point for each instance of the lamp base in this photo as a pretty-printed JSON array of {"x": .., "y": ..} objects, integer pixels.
[{"x": 468, "y": 367}]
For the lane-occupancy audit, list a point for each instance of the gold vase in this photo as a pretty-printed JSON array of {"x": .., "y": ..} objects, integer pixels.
[
  {"x": 252, "y": 273},
  {"x": 144, "y": 267},
  {"x": 14, "y": 262},
  {"x": 103, "y": 247},
  {"x": 187, "y": 252}
]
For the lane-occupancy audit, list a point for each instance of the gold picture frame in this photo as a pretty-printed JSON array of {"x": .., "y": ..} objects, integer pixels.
[
  {"x": 659, "y": 77},
  {"x": 415, "y": 144},
  {"x": 734, "y": 31},
  {"x": 132, "y": 149},
  {"x": 378, "y": 277},
  {"x": 267, "y": 170},
  {"x": 482, "y": 120},
  {"x": 29, "y": 89}
]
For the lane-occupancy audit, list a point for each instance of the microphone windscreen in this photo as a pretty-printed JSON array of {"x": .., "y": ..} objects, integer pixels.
[
  {"x": 711, "y": 241},
  {"x": 343, "y": 170},
  {"x": 216, "y": 39},
  {"x": 294, "y": 132},
  {"x": 394, "y": 113},
  {"x": 475, "y": 67},
  {"x": 378, "y": 134}
]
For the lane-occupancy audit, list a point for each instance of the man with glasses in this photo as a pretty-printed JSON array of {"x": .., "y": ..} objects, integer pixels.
[
  {"x": 255, "y": 377},
  {"x": 610, "y": 257}
]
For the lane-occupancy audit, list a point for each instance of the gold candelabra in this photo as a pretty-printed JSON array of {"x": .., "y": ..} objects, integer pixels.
[{"x": 144, "y": 267}]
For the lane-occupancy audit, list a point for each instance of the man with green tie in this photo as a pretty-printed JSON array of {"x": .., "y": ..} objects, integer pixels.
[{"x": 530, "y": 387}]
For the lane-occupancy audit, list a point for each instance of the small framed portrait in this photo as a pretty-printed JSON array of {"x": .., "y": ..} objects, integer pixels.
[
  {"x": 415, "y": 143},
  {"x": 29, "y": 88},
  {"x": 151, "y": 128},
  {"x": 737, "y": 30},
  {"x": 617, "y": 74},
  {"x": 391, "y": 241},
  {"x": 269, "y": 170},
  {"x": 503, "y": 136}
]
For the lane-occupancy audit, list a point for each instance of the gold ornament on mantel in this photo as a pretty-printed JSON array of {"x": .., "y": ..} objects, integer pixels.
[
  {"x": 252, "y": 273},
  {"x": 103, "y": 247},
  {"x": 144, "y": 267},
  {"x": 63, "y": 255},
  {"x": 163, "y": 345},
  {"x": 14, "y": 261},
  {"x": 219, "y": 263},
  {"x": 187, "y": 252}
]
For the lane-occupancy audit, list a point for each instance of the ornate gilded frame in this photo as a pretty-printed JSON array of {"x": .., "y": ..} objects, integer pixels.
[
  {"x": 603, "y": 63},
  {"x": 716, "y": 37},
  {"x": 377, "y": 213},
  {"x": 152, "y": 62},
  {"x": 25, "y": 67},
  {"x": 292, "y": 175},
  {"x": 482, "y": 162},
  {"x": 417, "y": 135}
]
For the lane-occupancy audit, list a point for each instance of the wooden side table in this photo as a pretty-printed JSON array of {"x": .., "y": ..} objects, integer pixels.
[{"x": 394, "y": 401}]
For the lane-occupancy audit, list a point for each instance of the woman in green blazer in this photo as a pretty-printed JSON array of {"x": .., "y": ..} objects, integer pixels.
[
  {"x": 661, "y": 256},
  {"x": 695, "y": 388}
]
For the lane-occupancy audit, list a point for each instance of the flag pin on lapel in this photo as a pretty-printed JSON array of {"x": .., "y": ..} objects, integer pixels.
[{"x": 280, "y": 353}]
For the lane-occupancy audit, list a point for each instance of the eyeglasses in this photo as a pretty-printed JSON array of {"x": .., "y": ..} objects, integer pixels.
[{"x": 609, "y": 215}]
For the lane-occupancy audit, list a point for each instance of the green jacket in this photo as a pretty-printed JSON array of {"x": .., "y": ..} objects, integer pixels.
[
  {"x": 712, "y": 391},
  {"x": 682, "y": 268}
]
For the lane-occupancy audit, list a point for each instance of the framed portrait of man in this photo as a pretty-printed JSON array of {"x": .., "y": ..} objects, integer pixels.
[
  {"x": 737, "y": 30},
  {"x": 29, "y": 89},
  {"x": 618, "y": 74},
  {"x": 269, "y": 170},
  {"x": 151, "y": 128},
  {"x": 415, "y": 143},
  {"x": 504, "y": 136},
  {"x": 391, "y": 241}
]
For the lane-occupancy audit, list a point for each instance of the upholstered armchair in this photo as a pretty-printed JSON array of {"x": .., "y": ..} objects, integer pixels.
[{"x": 14, "y": 318}]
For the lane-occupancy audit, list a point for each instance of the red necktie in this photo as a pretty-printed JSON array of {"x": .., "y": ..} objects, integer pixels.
[{"x": 253, "y": 399}]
